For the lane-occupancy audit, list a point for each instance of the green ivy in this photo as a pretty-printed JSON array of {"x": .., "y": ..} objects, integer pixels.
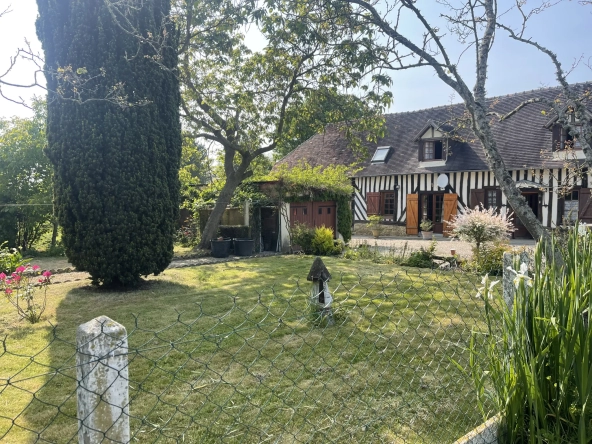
[{"x": 296, "y": 184}]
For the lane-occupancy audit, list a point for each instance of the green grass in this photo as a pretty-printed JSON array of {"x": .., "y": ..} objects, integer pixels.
[{"x": 250, "y": 364}]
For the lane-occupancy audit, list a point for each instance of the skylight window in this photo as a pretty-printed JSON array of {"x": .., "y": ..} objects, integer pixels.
[{"x": 381, "y": 154}]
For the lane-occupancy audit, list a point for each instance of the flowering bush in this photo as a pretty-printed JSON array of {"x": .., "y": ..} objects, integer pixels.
[
  {"x": 20, "y": 289},
  {"x": 480, "y": 225},
  {"x": 10, "y": 259}
]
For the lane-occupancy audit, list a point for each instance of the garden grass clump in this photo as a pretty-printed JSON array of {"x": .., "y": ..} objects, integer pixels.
[
  {"x": 227, "y": 352},
  {"x": 537, "y": 363}
]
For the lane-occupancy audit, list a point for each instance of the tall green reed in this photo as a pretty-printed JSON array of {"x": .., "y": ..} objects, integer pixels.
[{"x": 535, "y": 363}]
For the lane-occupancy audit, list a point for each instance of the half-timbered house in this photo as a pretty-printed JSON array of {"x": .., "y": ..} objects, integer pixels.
[{"x": 429, "y": 165}]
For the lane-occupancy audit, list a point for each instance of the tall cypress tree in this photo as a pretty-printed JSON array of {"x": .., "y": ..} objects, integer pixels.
[{"x": 114, "y": 135}]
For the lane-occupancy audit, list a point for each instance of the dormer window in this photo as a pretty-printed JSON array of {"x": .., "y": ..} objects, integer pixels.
[
  {"x": 564, "y": 138},
  {"x": 433, "y": 150},
  {"x": 432, "y": 140},
  {"x": 381, "y": 154},
  {"x": 573, "y": 141}
]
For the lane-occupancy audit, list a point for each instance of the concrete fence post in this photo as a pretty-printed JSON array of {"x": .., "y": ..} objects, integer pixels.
[
  {"x": 102, "y": 373},
  {"x": 510, "y": 261}
]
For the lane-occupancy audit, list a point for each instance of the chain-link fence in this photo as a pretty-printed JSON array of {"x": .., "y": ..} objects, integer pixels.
[{"x": 385, "y": 364}]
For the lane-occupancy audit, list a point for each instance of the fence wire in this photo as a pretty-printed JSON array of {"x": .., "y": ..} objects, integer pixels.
[{"x": 270, "y": 369}]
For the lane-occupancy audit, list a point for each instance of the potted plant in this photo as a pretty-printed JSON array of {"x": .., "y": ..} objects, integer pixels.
[
  {"x": 221, "y": 247},
  {"x": 374, "y": 225},
  {"x": 426, "y": 229},
  {"x": 243, "y": 247}
]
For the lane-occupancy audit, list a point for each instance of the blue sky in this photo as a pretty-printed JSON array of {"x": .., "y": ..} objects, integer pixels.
[{"x": 566, "y": 29}]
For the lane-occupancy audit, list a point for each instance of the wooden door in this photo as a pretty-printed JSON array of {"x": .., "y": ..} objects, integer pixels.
[
  {"x": 412, "y": 214},
  {"x": 431, "y": 207},
  {"x": 372, "y": 204},
  {"x": 269, "y": 228},
  {"x": 450, "y": 208},
  {"x": 324, "y": 214},
  {"x": 301, "y": 212}
]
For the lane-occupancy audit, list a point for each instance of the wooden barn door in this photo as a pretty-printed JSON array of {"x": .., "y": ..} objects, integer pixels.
[
  {"x": 412, "y": 214},
  {"x": 450, "y": 206},
  {"x": 324, "y": 214},
  {"x": 301, "y": 212}
]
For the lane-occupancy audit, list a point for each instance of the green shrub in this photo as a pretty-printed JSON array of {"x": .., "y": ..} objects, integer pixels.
[
  {"x": 233, "y": 231},
  {"x": 302, "y": 236},
  {"x": 10, "y": 259},
  {"x": 392, "y": 255},
  {"x": 424, "y": 258},
  {"x": 317, "y": 241},
  {"x": 322, "y": 242},
  {"x": 363, "y": 252},
  {"x": 535, "y": 362},
  {"x": 491, "y": 259}
]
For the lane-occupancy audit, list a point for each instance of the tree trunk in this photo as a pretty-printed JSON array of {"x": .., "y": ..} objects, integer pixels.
[
  {"x": 513, "y": 195},
  {"x": 222, "y": 202},
  {"x": 54, "y": 233}
]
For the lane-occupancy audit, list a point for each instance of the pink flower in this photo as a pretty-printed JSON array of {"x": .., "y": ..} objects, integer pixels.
[
  {"x": 16, "y": 277},
  {"x": 47, "y": 273},
  {"x": 20, "y": 269},
  {"x": 8, "y": 281},
  {"x": 8, "y": 290},
  {"x": 36, "y": 267},
  {"x": 41, "y": 280},
  {"x": 2, "y": 276}
]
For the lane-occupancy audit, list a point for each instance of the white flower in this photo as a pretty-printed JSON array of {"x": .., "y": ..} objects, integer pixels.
[
  {"x": 522, "y": 276},
  {"x": 485, "y": 279}
]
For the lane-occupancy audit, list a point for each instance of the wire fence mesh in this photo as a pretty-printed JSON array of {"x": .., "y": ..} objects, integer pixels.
[{"x": 390, "y": 368}]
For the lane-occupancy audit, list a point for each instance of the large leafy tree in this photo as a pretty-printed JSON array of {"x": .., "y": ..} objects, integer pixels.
[
  {"x": 240, "y": 98},
  {"x": 25, "y": 180},
  {"x": 116, "y": 162}
]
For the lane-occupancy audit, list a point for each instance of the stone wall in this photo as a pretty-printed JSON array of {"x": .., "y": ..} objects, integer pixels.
[{"x": 363, "y": 229}]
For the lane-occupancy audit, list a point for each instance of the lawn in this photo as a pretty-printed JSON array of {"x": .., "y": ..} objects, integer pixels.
[{"x": 231, "y": 352}]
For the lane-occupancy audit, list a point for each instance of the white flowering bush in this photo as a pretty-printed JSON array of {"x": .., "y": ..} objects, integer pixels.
[{"x": 480, "y": 225}]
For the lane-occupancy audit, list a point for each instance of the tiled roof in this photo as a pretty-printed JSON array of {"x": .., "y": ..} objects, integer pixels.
[{"x": 520, "y": 139}]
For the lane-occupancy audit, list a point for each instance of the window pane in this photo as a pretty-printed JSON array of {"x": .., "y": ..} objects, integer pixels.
[
  {"x": 428, "y": 150},
  {"x": 304, "y": 211},
  {"x": 570, "y": 210},
  {"x": 491, "y": 200},
  {"x": 577, "y": 142},
  {"x": 439, "y": 150},
  {"x": 571, "y": 206},
  {"x": 389, "y": 203},
  {"x": 439, "y": 216},
  {"x": 380, "y": 154}
]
